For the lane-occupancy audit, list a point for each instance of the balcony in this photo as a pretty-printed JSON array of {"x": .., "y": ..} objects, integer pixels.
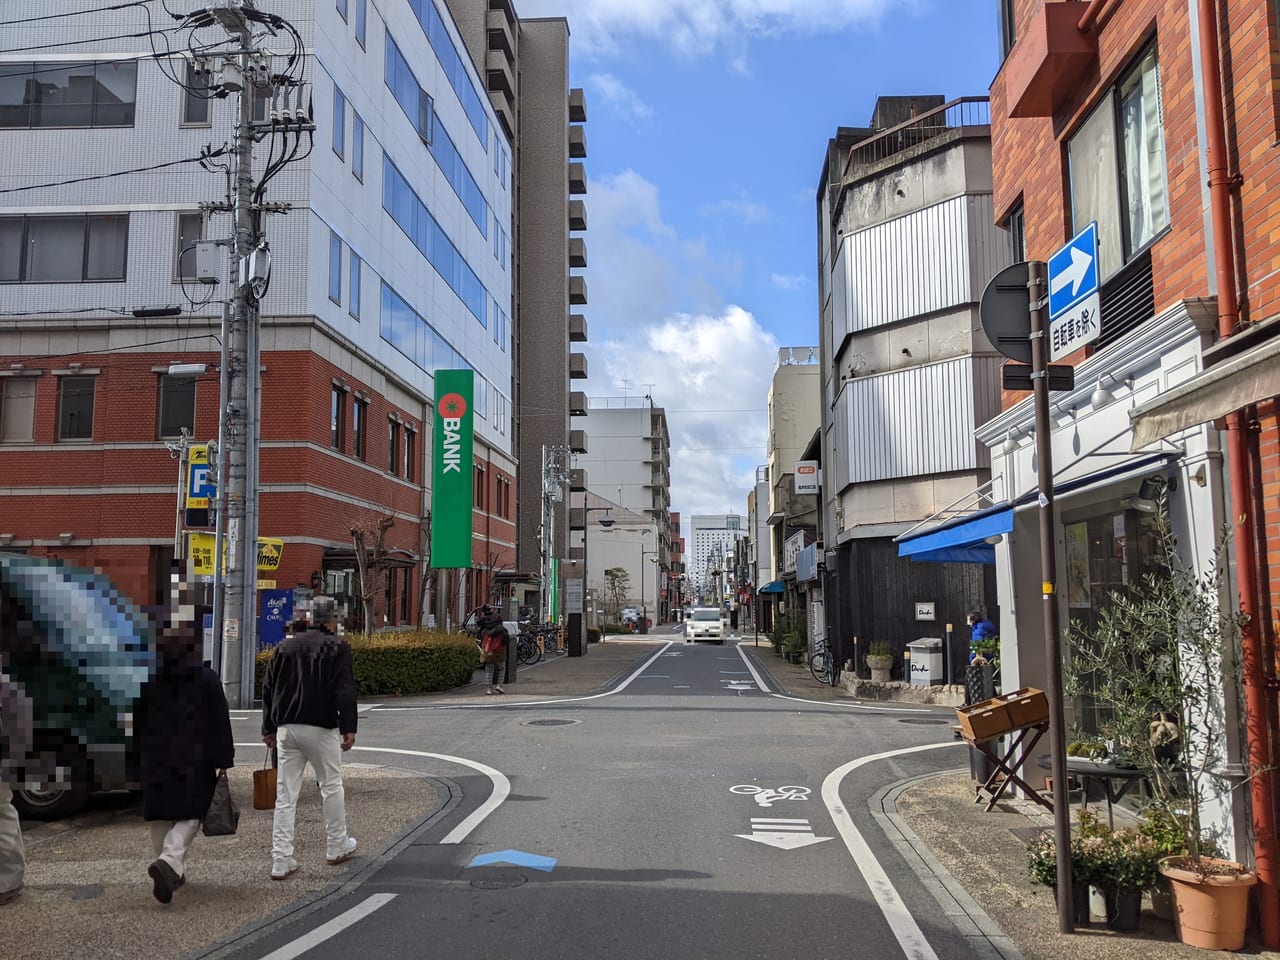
[
  {"x": 577, "y": 366},
  {"x": 578, "y": 443},
  {"x": 500, "y": 77},
  {"x": 577, "y": 328},
  {"x": 577, "y": 179},
  {"x": 577, "y": 480},
  {"x": 1049, "y": 60},
  {"x": 577, "y": 403},
  {"x": 577, "y": 252},
  {"x": 577, "y": 215},
  {"x": 577, "y": 106},
  {"x": 577, "y": 141},
  {"x": 501, "y": 28},
  {"x": 578, "y": 291}
]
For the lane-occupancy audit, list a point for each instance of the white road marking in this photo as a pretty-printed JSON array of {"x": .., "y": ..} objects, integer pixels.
[
  {"x": 313, "y": 938},
  {"x": 754, "y": 673},
  {"x": 857, "y": 704},
  {"x": 901, "y": 922},
  {"x": 501, "y": 786},
  {"x": 783, "y": 834}
]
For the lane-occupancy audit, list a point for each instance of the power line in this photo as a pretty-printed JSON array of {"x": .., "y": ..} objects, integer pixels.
[
  {"x": 73, "y": 13},
  {"x": 76, "y": 43},
  {"x": 120, "y": 173}
]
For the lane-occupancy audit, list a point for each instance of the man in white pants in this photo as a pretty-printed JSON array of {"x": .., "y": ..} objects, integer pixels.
[
  {"x": 15, "y": 745},
  {"x": 309, "y": 716}
]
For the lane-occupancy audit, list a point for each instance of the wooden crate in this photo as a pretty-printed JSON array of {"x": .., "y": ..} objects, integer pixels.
[
  {"x": 1027, "y": 707},
  {"x": 982, "y": 721}
]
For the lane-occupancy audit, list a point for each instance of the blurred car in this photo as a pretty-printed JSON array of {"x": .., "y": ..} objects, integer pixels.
[
  {"x": 82, "y": 652},
  {"x": 704, "y": 623}
]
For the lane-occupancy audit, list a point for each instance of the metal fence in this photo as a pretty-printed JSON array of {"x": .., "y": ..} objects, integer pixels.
[{"x": 966, "y": 113}]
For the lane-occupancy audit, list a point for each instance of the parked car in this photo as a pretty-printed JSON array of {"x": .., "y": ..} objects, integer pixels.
[
  {"x": 704, "y": 623},
  {"x": 82, "y": 651}
]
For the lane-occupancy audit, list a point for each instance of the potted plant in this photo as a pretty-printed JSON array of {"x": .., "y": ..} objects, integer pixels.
[
  {"x": 1132, "y": 867},
  {"x": 880, "y": 661},
  {"x": 1043, "y": 862},
  {"x": 1155, "y": 663},
  {"x": 794, "y": 646}
]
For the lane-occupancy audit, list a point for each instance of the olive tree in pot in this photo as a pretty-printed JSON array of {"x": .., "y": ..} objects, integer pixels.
[
  {"x": 1155, "y": 662},
  {"x": 880, "y": 661}
]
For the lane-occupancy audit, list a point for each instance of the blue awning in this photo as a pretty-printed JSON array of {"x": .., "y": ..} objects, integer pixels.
[
  {"x": 962, "y": 541},
  {"x": 773, "y": 586}
]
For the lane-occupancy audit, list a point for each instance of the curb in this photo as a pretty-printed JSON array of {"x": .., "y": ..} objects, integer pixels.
[{"x": 985, "y": 939}]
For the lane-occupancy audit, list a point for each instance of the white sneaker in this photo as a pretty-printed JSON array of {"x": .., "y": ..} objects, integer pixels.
[
  {"x": 283, "y": 868},
  {"x": 345, "y": 852}
]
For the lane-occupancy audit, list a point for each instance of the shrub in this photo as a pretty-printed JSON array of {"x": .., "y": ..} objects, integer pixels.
[
  {"x": 593, "y": 635},
  {"x": 403, "y": 662},
  {"x": 614, "y": 628},
  {"x": 879, "y": 648}
]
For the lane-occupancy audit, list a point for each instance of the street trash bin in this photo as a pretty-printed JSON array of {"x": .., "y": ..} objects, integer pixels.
[{"x": 926, "y": 661}]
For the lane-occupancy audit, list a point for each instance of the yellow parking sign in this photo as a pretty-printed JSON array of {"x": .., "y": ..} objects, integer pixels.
[{"x": 270, "y": 550}]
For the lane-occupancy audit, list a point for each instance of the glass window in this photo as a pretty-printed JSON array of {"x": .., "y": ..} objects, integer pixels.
[
  {"x": 338, "y": 419},
  {"x": 454, "y": 68},
  {"x": 410, "y": 442},
  {"x": 177, "y": 405},
  {"x": 393, "y": 447},
  {"x": 196, "y": 96},
  {"x": 339, "y": 121},
  {"x": 342, "y": 9},
  {"x": 362, "y": 18},
  {"x": 1142, "y": 134},
  {"x": 360, "y": 428},
  {"x": 190, "y": 229},
  {"x": 75, "y": 408},
  {"x": 335, "y": 267},
  {"x": 1015, "y": 226},
  {"x": 63, "y": 249},
  {"x": 55, "y": 249},
  {"x": 11, "y": 230},
  {"x": 1008, "y": 31},
  {"x": 108, "y": 242},
  {"x": 357, "y": 146},
  {"x": 353, "y": 297},
  {"x": 1095, "y": 188},
  {"x": 67, "y": 94},
  {"x": 17, "y": 409}
]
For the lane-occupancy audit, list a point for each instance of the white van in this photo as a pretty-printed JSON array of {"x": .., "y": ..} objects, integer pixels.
[{"x": 704, "y": 623}]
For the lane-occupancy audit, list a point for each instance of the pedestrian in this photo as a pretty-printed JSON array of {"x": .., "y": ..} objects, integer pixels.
[
  {"x": 309, "y": 716},
  {"x": 490, "y": 625},
  {"x": 184, "y": 741},
  {"x": 15, "y": 747},
  {"x": 980, "y": 629}
]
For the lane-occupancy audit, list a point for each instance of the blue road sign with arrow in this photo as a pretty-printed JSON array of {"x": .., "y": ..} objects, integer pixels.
[{"x": 1074, "y": 302}]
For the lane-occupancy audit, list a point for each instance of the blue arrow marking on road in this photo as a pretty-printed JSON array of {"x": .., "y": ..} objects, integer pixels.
[{"x": 516, "y": 858}]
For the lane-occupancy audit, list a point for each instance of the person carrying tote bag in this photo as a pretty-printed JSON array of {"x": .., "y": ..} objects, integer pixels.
[
  {"x": 264, "y": 783},
  {"x": 184, "y": 742}
]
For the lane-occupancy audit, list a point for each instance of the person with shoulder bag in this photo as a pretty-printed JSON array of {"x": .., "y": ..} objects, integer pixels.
[
  {"x": 493, "y": 645},
  {"x": 185, "y": 745}
]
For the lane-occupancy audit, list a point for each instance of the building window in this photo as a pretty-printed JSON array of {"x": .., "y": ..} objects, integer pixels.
[
  {"x": 196, "y": 97},
  {"x": 478, "y": 480},
  {"x": 393, "y": 447},
  {"x": 353, "y": 297},
  {"x": 335, "y": 267},
  {"x": 410, "y": 454},
  {"x": 338, "y": 419},
  {"x": 360, "y": 428},
  {"x": 190, "y": 229},
  {"x": 177, "y": 406},
  {"x": 75, "y": 408},
  {"x": 67, "y": 94},
  {"x": 339, "y": 121},
  {"x": 1124, "y": 189},
  {"x": 1008, "y": 28},
  {"x": 63, "y": 249},
  {"x": 357, "y": 146},
  {"x": 1015, "y": 227},
  {"x": 342, "y": 8},
  {"x": 17, "y": 409},
  {"x": 406, "y": 595},
  {"x": 362, "y": 21}
]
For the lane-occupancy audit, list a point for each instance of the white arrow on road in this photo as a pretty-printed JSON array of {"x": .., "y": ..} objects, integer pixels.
[
  {"x": 1074, "y": 274},
  {"x": 781, "y": 833}
]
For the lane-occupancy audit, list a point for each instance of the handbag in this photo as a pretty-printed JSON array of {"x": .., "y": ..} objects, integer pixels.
[
  {"x": 264, "y": 786},
  {"x": 491, "y": 646},
  {"x": 223, "y": 816}
]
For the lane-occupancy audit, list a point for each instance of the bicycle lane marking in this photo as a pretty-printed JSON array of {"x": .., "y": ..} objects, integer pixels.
[
  {"x": 895, "y": 912},
  {"x": 501, "y": 786}
]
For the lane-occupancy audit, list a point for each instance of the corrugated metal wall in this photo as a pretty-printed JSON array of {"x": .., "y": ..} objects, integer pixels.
[{"x": 931, "y": 260}]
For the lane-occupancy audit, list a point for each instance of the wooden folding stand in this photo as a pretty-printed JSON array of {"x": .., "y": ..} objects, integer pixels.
[{"x": 1025, "y": 714}]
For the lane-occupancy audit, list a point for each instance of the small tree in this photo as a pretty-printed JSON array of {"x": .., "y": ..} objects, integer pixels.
[
  {"x": 616, "y": 584},
  {"x": 369, "y": 536}
]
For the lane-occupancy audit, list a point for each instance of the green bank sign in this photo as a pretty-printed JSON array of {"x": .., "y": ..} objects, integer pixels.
[{"x": 451, "y": 474}]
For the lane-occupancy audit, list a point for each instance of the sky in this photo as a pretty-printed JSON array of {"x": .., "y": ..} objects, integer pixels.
[{"x": 707, "y": 125}]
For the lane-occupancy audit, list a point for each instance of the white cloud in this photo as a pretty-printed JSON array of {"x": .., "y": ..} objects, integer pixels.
[
  {"x": 742, "y": 207},
  {"x": 616, "y": 95},
  {"x": 700, "y": 26},
  {"x": 789, "y": 281}
]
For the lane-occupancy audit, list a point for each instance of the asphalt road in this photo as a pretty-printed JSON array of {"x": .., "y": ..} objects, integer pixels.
[{"x": 633, "y": 825}]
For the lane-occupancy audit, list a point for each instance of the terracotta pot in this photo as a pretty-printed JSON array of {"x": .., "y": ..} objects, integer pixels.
[{"x": 1210, "y": 912}]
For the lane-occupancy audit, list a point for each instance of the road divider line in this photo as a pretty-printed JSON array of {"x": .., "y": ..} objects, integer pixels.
[
  {"x": 908, "y": 933},
  {"x": 330, "y": 929}
]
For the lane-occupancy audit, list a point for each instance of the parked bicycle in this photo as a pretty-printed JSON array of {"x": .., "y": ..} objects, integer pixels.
[
  {"x": 528, "y": 650},
  {"x": 822, "y": 665}
]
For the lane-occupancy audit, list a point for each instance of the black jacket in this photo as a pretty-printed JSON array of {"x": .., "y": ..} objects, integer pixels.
[
  {"x": 309, "y": 680},
  {"x": 184, "y": 738}
]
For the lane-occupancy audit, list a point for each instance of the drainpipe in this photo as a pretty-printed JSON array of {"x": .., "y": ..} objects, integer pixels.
[
  {"x": 1093, "y": 15},
  {"x": 1259, "y": 686}
]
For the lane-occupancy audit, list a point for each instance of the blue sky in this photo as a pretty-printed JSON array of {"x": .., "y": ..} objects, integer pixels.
[{"x": 707, "y": 126}]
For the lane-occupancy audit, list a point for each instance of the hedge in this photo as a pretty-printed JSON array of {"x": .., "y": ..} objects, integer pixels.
[{"x": 403, "y": 663}]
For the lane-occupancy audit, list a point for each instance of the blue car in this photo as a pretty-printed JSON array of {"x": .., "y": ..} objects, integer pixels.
[{"x": 82, "y": 651}]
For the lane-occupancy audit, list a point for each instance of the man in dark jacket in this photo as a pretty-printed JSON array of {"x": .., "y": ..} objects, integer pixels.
[
  {"x": 309, "y": 715},
  {"x": 184, "y": 740},
  {"x": 15, "y": 746}
]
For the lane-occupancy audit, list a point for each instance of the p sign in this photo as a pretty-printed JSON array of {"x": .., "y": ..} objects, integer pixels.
[{"x": 200, "y": 489}]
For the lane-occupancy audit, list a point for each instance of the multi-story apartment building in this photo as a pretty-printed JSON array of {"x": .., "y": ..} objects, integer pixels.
[
  {"x": 712, "y": 538},
  {"x": 396, "y": 259},
  {"x": 906, "y": 244}
]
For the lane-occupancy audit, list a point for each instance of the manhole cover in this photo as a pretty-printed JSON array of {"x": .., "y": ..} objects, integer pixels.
[
  {"x": 549, "y": 722},
  {"x": 924, "y": 721},
  {"x": 499, "y": 883}
]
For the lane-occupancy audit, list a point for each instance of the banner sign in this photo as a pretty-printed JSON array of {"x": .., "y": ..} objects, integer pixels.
[{"x": 451, "y": 470}]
